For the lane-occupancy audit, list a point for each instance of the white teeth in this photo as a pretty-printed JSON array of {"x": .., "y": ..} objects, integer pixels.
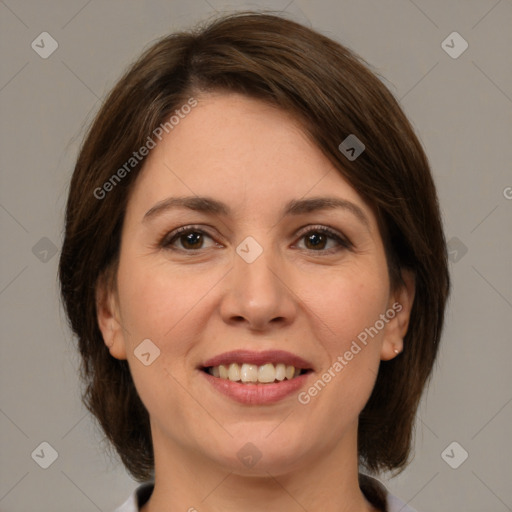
[
  {"x": 223, "y": 371},
  {"x": 280, "y": 371},
  {"x": 248, "y": 373},
  {"x": 234, "y": 372},
  {"x": 266, "y": 373}
]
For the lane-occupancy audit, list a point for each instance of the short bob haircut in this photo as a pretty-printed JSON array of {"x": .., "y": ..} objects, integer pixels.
[{"x": 333, "y": 94}]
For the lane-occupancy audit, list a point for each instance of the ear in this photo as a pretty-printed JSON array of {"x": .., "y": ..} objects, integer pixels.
[
  {"x": 398, "y": 313},
  {"x": 107, "y": 312}
]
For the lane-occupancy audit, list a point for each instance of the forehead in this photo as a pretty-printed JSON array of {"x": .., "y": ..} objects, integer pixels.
[{"x": 244, "y": 152}]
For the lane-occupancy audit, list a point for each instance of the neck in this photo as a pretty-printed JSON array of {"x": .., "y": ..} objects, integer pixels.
[{"x": 188, "y": 481}]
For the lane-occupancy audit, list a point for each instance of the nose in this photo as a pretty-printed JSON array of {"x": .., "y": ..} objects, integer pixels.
[{"x": 259, "y": 294}]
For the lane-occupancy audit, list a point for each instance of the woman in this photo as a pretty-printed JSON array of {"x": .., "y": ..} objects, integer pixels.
[{"x": 255, "y": 268}]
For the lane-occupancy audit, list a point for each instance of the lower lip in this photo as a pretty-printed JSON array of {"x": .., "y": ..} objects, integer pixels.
[{"x": 257, "y": 394}]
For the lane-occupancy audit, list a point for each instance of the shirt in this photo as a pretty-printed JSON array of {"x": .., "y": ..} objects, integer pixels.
[{"x": 142, "y": 494}]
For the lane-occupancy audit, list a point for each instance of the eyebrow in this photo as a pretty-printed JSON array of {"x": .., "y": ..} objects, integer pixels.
[{"x": 293, "y": 207}]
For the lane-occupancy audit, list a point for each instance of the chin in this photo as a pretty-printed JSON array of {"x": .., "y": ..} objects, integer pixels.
[{"x": 261, "y": 455}]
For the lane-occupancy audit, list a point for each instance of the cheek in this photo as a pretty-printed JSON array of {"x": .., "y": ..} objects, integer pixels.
[
  {"x": 169, "y": 306},
  {"x": 346, "y": 311},
  {"x": 161, "y": 306},
  {"x": 155, "y": 299},
  {"x": 349, "y": 304}
]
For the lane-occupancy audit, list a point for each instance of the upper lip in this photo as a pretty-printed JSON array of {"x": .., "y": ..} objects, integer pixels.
[{"x": 258, "y": 358}]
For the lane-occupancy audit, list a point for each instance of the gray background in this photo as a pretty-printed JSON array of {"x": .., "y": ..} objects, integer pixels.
[{"x": 462, "y": 110}]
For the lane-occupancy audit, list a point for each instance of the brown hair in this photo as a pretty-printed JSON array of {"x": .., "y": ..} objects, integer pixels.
[{"x": 334, "y": 94}]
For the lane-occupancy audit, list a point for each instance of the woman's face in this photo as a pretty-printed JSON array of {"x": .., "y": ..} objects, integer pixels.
[{"x": 281, "y": 255}]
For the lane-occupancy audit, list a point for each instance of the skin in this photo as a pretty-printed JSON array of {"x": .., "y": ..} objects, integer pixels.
[{"x": 296, "y": 296}]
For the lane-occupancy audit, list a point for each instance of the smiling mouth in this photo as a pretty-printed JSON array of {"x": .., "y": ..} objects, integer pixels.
[{"x": 254, "y": 374}]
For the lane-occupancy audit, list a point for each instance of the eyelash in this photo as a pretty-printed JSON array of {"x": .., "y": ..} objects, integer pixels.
[{"x": 171, "y": 237}]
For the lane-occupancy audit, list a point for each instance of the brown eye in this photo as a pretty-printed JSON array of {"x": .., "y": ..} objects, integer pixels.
[
  {"x": 317, "y": 238},
  {"x": 190, "y": 239}
]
